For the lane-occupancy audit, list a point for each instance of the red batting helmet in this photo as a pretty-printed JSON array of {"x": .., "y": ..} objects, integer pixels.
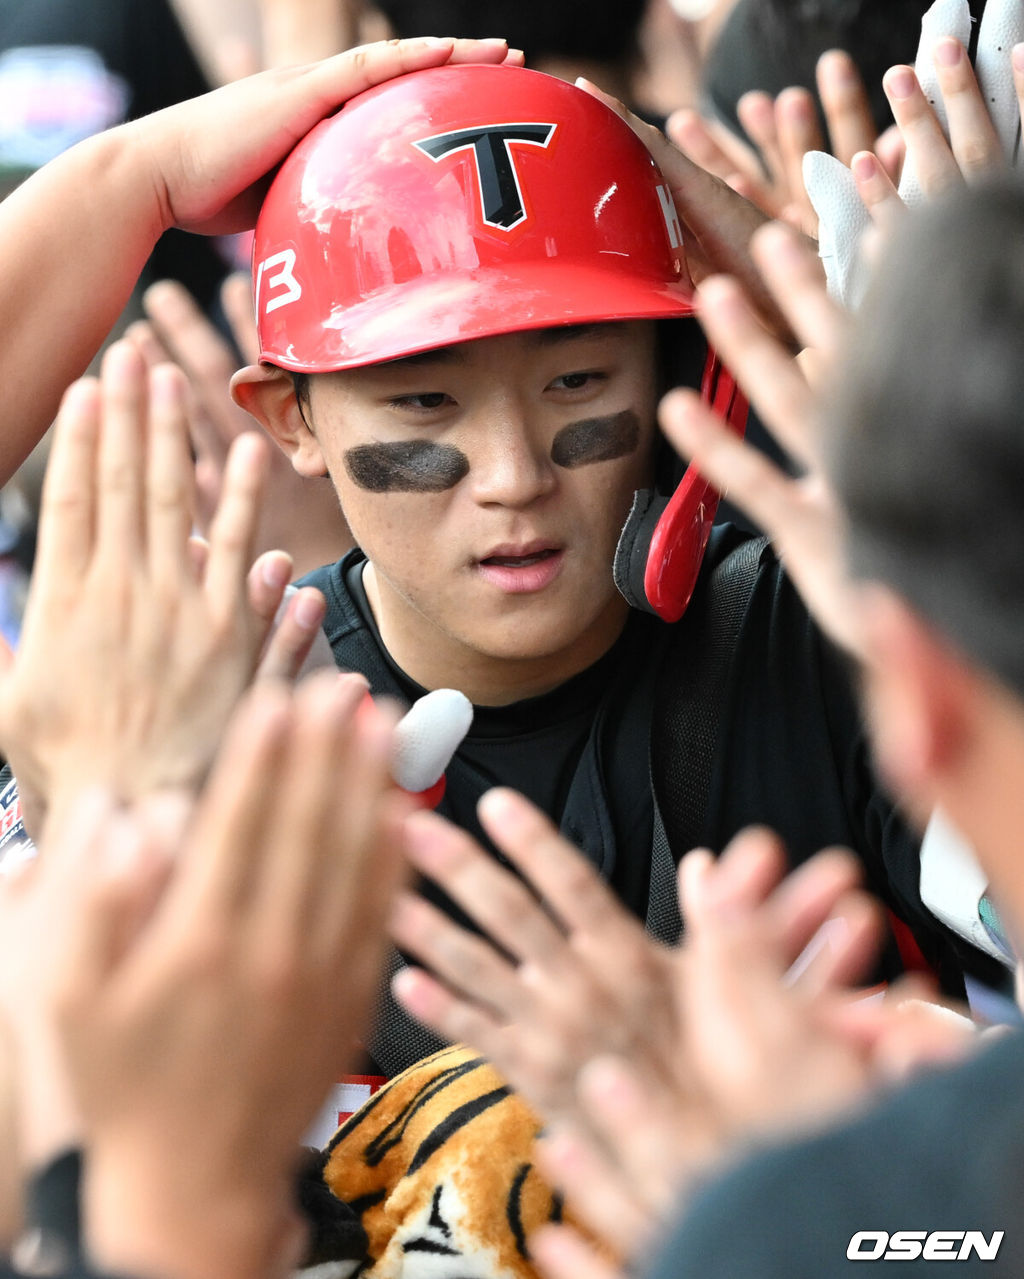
[{"x": 464, "y": 202}]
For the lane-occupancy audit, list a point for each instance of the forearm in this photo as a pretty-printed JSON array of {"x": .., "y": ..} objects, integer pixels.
[
  {"x": 215, "y": 32},
  {"x": 297, "y": 31},
  {"x": 157, "y": 1216},
  {"x": 76, "y": 235}
]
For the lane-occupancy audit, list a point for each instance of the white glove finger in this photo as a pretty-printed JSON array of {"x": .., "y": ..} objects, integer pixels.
[
  {"x": 842, "y": 221},
  {"x": 428, "y": 736},
  {"x": 1002, "y": 26},
  {"x": 944, "y": 18}
]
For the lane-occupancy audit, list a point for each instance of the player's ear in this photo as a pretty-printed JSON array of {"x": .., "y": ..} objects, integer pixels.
[
  {"x": 920, "y": 698},
  {"x": 268, "y": 394}
]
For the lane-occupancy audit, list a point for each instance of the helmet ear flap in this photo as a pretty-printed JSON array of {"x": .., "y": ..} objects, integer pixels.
[{"x": 662, "y": 545}]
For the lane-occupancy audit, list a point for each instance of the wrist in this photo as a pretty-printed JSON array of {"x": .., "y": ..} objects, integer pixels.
[{"x": 160, "y": 1217}]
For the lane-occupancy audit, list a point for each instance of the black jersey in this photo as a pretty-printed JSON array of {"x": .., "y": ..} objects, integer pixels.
[{"x": 789, "y": 749}]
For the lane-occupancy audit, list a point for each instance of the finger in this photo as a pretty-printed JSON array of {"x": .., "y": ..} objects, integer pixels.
[
  {"x": 763, "y": 367},
  {"x": 643, "y": 1132},
  {"x": 1002, "y": 26},
  {"x": 756, "y": 112},
  {"x": 806, "y": 897},
  {"x": 143, "y": 337},
  {"x": 68, "y": 508},
  {"x": 796, "y": 124},
  {"x": 751, "y": 865},
  {"x": 694, "y": 866},
  {"x": 691, "y": 134},
  {"x": 307, "y": 857},
  {"x": 378, "y": 877},
  {"x": 293, "y": 637},
  {"x": 496, "y": 900},
  {"x": 233, "y": 529},
  {"x": 197, "y": 553},
  {"x": 842, "y": 950},
  {"x": 349, "y": 73},
  {"x": 876, "y": 189},
  {"x": 120, "y": 527},
  {"x": 222, "y": 860},
  {"x": 206, "y": 358},
  {"x": 565, "y": 880},
  {"x": 890, "y": 150},
  {"x": 168, "y": 475},
  {"x": 359, "y": 812},
  {"x": 743, "y": 155},
  {"x": 454, "y": 1018},
  {"x": 736, "y": 469},
  {"x": 922, "y": 1035},
  {"x": 758, "y": 193},
  {"x": 266, "y": 584},
  {"x": 562, "y": 1253},
  {"x": 844, "y": 100},
  {"x": 792, "y": 271},
  {"x": 236, "y": 299},
  {"x": 928, "y": 157},
  {"x": 597, "y": 1190},
  {"x": 972, "y": 135}
]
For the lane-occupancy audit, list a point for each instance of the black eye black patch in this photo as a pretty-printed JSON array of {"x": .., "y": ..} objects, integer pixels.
[
  {"x": 407, "y": 466},
  {"x": 596, "y": 439}
]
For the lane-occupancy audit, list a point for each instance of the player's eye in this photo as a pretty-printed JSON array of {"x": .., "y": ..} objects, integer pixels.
[
  {"x": 576, "y": 381},
  {"x": 422, "y": 401}
]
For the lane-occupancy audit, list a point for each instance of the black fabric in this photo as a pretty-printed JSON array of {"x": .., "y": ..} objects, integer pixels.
[
  {"x": 944, "y": 1153},
  {"x": 555, "y": 749},
  {"x": 789, "y": 751},
  {"x": 52, "y": 1200},
  {"x": 144, "y": 47},
  {"x": 335, "y": 1230},
  {"x": 50, "y": 1242}
]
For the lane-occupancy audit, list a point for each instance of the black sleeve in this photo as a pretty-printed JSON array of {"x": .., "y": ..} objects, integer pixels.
[{"x": 50, "y": 1244}]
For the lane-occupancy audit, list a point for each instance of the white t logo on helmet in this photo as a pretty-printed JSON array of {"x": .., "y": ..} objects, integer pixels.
[{"x": 501, "y": 197}]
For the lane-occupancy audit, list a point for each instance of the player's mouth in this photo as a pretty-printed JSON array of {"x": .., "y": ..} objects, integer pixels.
[{"x": 519, "y": 570}]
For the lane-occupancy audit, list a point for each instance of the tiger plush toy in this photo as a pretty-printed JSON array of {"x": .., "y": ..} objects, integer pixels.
[{"x": 437, "y": 1169}]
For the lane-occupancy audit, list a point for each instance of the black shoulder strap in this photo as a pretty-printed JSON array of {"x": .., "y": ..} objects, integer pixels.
[{"x": 684, "y": 730}]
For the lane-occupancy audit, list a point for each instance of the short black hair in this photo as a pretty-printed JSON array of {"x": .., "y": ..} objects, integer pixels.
[
  {"x": 597, "y": 30},
  {"x": 925, "y": 437}
]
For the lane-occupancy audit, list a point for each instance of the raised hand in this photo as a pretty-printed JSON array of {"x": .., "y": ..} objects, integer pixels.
[
  {"x": 207, "y": 985},
  {"x": 647, "y": 1139},
  {"x": 717, "y": 222},
  {"x": 79, "y": 231},
  {"x": 784, "y": 129},
  {"x": 553, "y": 981},
  {"x": 137, "y": 643},
  {"x": 299, "y": 515},
  {"x": 956, "y": 124},
  {"x": 798, "y": 514}
]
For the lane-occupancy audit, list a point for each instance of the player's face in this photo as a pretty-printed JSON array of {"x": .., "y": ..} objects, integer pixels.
[{"x": 488, "y": 483}]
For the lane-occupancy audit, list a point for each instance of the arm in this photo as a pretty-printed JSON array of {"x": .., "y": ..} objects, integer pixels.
[
  {"x": 303, "y": 30},
  {"x": 301, "y": 515},
  {"x": 208, "y": 985},
  {"x": 78, "y": 232},
  {"x": 137, "y": 643}
]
